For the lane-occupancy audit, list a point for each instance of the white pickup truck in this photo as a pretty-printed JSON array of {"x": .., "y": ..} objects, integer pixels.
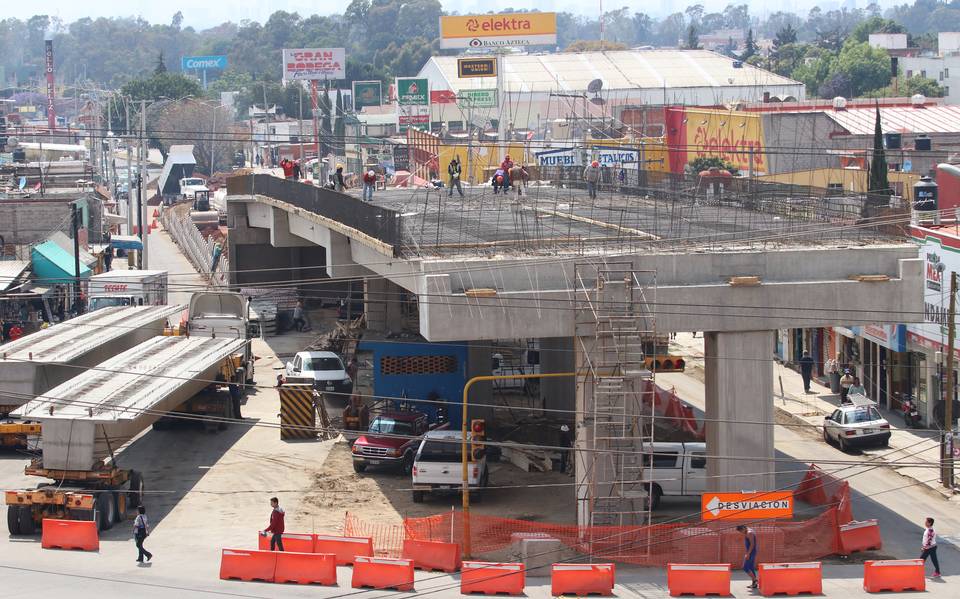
[
  {"x": 676, "y": 470},
  {"x": 438, "y": 468}
]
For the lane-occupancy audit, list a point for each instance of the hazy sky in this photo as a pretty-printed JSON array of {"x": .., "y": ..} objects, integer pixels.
[{"x": 201, "y": 14}]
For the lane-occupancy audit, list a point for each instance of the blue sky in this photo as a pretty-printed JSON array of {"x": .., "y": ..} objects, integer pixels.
[{"x": 206, "y": 13}]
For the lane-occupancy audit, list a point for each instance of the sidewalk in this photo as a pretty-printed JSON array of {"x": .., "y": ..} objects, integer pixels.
[{"x": 799, "y": 407}]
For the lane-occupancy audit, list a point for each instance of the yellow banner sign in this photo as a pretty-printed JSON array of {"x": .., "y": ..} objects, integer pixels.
[{"x": 513, "y": 29}]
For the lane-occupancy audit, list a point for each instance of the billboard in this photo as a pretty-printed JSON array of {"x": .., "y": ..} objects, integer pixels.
[
  {"x": 476, "y": 67},
  {"x": 758, "y": 505},
  {"x": 512, "y": 29},
  {"x": 313, "y": 64},
  {"x": 367, "y": 93},
  {"x": 610, "y": 156},
  {"x": 413, "y": 92},
  {"x": 190, "y": 63},
  {"x": 562, "y": 157},
  {"x": 478, "y": 98},
  {"x": 48, "y": 58},
  {"x": 414, "y": 116}
]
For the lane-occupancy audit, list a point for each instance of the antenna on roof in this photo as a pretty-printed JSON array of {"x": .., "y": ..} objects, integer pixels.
[{"x": 595, "y": 86}]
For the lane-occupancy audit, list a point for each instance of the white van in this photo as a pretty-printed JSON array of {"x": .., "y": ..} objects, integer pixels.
[{"x": 676, "y": 470}]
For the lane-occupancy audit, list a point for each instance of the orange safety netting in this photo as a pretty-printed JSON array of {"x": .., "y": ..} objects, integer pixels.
[{"x": 496, "y": 538}]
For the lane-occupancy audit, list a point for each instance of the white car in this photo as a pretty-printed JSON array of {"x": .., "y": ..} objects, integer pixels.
[
  {"x": 324, "y": 367},
  {"x": 856, "y": 424},
  {"x": 437, "y": 468}
]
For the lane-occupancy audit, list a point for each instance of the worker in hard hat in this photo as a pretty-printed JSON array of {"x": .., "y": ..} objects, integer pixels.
[{"x": 369, "y": 183}]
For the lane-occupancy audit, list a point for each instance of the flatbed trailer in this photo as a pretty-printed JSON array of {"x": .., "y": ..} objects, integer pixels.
[{"x": 17, "y": 435}]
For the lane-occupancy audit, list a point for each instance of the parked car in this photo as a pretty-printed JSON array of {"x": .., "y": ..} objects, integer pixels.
[
  {"x": 857, "y": 424},
  {"x": 675, "y": 470},
  {"x": 437, "y": 467},
  {"x": 391, "y": 441},
  {"x": 324, "y": 367}
]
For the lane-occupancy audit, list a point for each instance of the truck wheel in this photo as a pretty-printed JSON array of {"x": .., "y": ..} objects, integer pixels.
[
  {"x": 105, "y": 509},
  {"x": 655, "y": 496},
  {"x": 418, "y": 496},
  {"x": 120, "y": 499},
  {"x": 406, "y": 466},
  {"x": 27, "y": 525},
  {"x": 359, "y": 467},
  {"x": 236, "y": 397},
  {"x": 135, "y": 495},
  {"x": 13, "y": 519}
]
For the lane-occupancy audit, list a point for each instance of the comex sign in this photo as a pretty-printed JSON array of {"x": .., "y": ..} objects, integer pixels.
[{"x": 190, "y": 63}]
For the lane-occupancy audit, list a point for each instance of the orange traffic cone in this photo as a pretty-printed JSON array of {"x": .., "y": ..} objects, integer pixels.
[
  {"x": 153, "y": 225},
  {"x": 156, "y": 213}
]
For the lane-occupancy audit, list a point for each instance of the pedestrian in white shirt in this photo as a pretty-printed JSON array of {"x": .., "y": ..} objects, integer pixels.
[
  {"x": 141, "y": 530},
  {"x": 928, "y": 547}
]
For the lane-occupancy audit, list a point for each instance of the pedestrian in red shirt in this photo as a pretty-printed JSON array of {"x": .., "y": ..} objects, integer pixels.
[
  {"x": 287, "y": 166},
  {"x": 276, "y": 525}
]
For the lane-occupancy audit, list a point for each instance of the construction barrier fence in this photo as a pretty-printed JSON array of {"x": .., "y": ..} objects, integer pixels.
[{"x": 494, "y": 538}]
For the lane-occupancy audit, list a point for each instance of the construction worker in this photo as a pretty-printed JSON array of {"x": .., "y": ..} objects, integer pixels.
[
  {"x": 505, "y": 166},
  {"x": 276, "y": 525},
  {"x": 338, "y": 179},
  {"x": 454, "y": 170},
  {"x": 369, "y": 183},
  {"x": 591, "y": 175}
]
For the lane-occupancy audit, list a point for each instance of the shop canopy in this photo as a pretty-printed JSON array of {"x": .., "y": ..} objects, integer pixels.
[
  {"x": 52, "y": 264},
  {"x": 126, "y": 242},
  {"x": 10, "y": 272}
]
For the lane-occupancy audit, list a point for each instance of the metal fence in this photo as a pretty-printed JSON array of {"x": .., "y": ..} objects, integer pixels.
[
  {"x": 380, "y": 223},
  {"x": 199, "y": 251}
]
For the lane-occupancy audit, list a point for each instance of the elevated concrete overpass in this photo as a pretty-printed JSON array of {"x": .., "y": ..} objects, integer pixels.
[{"x": 744, "y": 269}]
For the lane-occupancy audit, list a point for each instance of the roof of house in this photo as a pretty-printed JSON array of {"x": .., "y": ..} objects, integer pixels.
[
  {"x": 898, "y": 119},
  {"x": 619, "y": 70}
]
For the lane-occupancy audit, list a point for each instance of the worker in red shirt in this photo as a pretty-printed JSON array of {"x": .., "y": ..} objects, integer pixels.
[
  {"x": 505, "y": 166},
  {"x": 287, "y": 166},
  {"x": 369, "y": 183},
  {"x": 276, "y": 525}
]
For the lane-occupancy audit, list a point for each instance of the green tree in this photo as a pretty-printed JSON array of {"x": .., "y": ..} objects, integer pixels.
[
  {"x": 749, "y": 46},
  {"x": 705, "y": 163},
  {"x": 693, "y": 38},
  {"x": 878, "y": 183},
  {"x": 866, "y": 68},
  {"x": 862, "y": 31},
  {"x": 784, "y": 37}
]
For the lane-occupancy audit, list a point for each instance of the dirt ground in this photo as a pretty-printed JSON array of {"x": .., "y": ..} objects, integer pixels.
[{"x": 384, "y": 497}]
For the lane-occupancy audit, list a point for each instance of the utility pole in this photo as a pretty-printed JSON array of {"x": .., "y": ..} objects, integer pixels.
[
  {"x": 75, "y": 222},
  {"x": 126, "y": 110},
  {"x": 300, "y": 127},
  {"x": 141, "y": 181},
  {"x": 946, "y": 450}
]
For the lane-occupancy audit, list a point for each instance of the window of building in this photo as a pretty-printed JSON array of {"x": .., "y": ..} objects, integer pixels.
[
  {"x": 923, "y": 73},
  {"x": 835, "y": 189},
  {"x": 909, "y": 73},
  {"x": 946, "y": 73},
  {"x": 946, "y": 90}
]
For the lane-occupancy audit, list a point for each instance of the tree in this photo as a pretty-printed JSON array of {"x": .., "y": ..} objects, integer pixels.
[
  {"x": 705, "y": 163},
  {"x": 749, "y": 46},
  {"x": 878, "y": 183},
  {"x": 693, "y": 39},
  {"x": 866, "y": 68},
  {"x": 202, "y": 124},
  {"x": 862, "y": 31},
  {"x": 785, "y": 36},
  {"x": 161, "y": 67}
]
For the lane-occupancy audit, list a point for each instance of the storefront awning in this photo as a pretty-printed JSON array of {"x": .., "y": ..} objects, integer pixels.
[
  {"x": 10, "y": 272},
  {"x": 51, "y": 264},
  {"x": 126, "y": 242}
]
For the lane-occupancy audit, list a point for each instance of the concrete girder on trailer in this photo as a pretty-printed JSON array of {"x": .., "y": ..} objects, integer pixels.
[
  {"x": 122, "y": 396},
  {"x": 34, "y": 364}
]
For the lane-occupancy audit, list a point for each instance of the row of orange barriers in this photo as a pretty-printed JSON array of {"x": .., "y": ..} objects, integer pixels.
[
  {"x": 70, "y": 534},
  {"x": 793, "y": 578},
  {"x": 278, "y": 566},
  {"x": 345, "y": 549}
]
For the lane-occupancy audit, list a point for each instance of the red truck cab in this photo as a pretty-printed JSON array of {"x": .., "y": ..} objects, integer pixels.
[{"x": 391, "y": 441}]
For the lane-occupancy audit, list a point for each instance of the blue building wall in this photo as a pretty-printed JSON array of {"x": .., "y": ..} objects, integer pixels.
[{"x": 416, "y": 371}]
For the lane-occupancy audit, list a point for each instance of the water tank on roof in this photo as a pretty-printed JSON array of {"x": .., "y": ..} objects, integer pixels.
[
  {"x": 925, "y": 195},
  {"x": 922, "y": 142},
  {"x": 892, "y": 141},
  {"x": 839, "y": 103},
  {"x": 918, "y": 100}
]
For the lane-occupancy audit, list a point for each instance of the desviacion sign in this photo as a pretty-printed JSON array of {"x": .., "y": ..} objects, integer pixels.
[{"x": 196, "y": 63}]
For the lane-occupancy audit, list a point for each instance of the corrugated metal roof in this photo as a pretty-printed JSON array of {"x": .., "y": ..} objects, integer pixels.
[
  {"x": 899, "y": 119},
  {"x": 10, "y": 271},
  {"x": 619, "y": 70}
]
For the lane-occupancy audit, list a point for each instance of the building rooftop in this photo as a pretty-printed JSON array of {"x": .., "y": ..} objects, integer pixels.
[
  {"x": 899, "y": 119},
  {"x": 619, "y": 70}
]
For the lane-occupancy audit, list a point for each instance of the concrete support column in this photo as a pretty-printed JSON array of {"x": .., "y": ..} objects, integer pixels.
[
  {"x": 479, "y": 363},
  {"x": 556, "y": 355},
  {"x": 739, "y": 392},
  {"x": 382, "y": 303}
]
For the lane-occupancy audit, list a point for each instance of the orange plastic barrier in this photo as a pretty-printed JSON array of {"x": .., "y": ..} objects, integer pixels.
[
  {"x": 698, "y": 579},
  {"x": 582, "y": 579},
  {"x": 345, "y": 548},
  {"x": 432, "y": 555},
  {"x": 306, "y": 568},
  {"x": 860, "y": 536},
  {"x": 382, "y": 573},
  {"x": 791, "y": 579},
  {"x": 296, "y": 542},
  {"x": 491, "y": 578},
  {"x": 70, "y": 534},
  {"x": 895, "y": 575},
  {"x": 247, "y": 564}
]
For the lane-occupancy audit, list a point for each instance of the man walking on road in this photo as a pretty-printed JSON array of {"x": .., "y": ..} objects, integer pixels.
[
  {"x": 750, "y": 554},
  {"x": 591, "y": 174},
  {"x": 454, "y": 171},
  {"x": 276, "y": 525},
  {"x": 928, "y": 547},
  {"x": 806, "y": 370}
]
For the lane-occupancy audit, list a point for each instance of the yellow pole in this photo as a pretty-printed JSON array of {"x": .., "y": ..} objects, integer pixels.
[{"x": 465, "y": 490}]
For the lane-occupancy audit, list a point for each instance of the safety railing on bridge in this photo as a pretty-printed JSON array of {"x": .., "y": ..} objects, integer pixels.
[
  {"x": 206, "y": 255},
  {"x": 379, "y": 223}
]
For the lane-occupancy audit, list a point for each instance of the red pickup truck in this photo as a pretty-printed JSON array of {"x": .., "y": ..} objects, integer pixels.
[{"x": 391, "y": 441}]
